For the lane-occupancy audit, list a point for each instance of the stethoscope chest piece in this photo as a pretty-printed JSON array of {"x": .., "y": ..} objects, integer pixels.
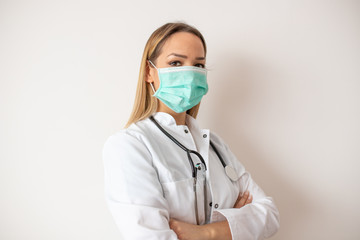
[{"x": 231, "y": 173}]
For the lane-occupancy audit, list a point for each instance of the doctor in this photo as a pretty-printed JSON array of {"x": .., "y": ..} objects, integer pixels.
[{"x": 165, "y": 177}]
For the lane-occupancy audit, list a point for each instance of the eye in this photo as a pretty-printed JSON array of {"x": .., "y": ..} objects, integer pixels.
[
  {"x": 175, "y": 63},
  {"x": 200, "y": 65}
]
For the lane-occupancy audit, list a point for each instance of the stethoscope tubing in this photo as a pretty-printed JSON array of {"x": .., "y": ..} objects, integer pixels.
[
  {"x": 218, "y": 154},
  {"x": 230, "y": 172},
  {"x": 188, "y": 151}
]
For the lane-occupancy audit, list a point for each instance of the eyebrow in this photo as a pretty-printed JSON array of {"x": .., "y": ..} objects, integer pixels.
[{"x": 184, "y": 56}]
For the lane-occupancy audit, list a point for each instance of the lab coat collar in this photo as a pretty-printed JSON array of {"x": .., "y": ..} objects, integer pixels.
[
  {"x": 191, "y": 122},
  {"x": 168, "y": 120},
  {"x": 164, "y": 119}
]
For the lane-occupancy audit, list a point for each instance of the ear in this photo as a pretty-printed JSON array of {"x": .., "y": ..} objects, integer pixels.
[{"x": 149, "y": 77}]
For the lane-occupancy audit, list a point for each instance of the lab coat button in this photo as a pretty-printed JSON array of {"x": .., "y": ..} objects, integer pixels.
[
  {"x": 186, "y": 131},
  {"x": 204, "y": 136},
  {"x": 210, "y": 204},
  {"x": 216, "y": 205}
]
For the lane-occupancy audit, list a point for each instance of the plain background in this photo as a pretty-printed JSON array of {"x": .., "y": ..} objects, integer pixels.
[{"x": 284, "y": 93}]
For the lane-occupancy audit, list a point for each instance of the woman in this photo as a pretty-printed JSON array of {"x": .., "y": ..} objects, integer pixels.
[{"x": 165, "y": 177}]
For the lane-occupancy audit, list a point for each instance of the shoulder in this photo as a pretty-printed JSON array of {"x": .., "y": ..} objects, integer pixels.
[
  {"x": 218, "y": 141},
  {"x": 129, "y": 139},
  {"x": 135, "y": 132}
]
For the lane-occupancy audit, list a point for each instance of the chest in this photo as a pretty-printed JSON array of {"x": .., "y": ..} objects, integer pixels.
[{"x": 190, "y": 198}]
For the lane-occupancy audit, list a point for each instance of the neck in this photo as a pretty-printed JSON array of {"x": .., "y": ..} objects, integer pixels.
[{"x": 180, "y": 118}]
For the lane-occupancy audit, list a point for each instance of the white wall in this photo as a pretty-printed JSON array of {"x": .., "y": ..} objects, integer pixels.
[{"x": 284, "y": 93}]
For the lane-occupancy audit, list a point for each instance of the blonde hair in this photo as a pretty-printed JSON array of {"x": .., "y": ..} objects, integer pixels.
[{"x": 145, "y": 104}]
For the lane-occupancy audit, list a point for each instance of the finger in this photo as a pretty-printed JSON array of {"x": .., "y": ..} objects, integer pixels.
[
  {"x": 239, "y": 197},
  {"x": 172, "y": 223},
  {"x": 249, "y": 200},
  {"x": 237, "y": 200},
  {"x": 243, "y": 199}
]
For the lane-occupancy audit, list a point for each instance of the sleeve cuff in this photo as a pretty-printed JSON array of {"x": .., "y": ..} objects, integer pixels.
[{"x": 245, "y": 228}]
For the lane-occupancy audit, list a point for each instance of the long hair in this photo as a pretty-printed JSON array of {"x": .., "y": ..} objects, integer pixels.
[{"x": 145, "y": 104}]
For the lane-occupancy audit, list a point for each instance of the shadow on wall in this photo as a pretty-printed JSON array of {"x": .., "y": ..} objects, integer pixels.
[{"x": 238, "y": 80}]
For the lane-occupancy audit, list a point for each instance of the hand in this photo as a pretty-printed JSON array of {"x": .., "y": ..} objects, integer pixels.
[
  {"x": 244, "y": 199},
  {"x": 187, "y": 231}
]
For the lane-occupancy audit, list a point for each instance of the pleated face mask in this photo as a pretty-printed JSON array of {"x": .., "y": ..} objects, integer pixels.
[{"x": 181, "y": 88}]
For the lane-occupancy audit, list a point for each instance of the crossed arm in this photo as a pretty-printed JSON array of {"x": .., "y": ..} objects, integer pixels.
[
  {"x": 261, "y": 216},
  {"x": 212, "y": 231}
]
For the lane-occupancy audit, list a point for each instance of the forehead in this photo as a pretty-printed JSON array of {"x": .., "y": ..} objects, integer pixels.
[{"x": 184, "y": 43}]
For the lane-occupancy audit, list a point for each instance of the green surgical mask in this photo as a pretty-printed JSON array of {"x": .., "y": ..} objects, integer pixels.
[{"x": 181, "y": 88}]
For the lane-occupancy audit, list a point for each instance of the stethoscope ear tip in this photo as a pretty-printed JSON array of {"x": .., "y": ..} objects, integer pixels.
[{"x": 200, "y": 166}]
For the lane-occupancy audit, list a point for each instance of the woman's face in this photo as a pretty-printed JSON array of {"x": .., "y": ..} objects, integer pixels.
[{"x": 180, "y": 49}]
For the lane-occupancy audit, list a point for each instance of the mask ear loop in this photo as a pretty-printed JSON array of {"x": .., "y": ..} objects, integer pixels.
[
  {"x": 151, "y": 84},
  {"x": 152, "y": 64}
]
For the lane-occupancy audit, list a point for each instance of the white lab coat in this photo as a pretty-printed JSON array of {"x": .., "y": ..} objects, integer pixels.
[{"x": 148, "y": 181}]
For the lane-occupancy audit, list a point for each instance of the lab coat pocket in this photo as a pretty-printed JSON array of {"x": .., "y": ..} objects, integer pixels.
[{"x": 180, "y": 197}]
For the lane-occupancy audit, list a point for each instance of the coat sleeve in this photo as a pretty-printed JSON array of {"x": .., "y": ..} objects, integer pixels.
[
  {"x": 132, "y": 190},
  {"x": 257, "y": 220}
]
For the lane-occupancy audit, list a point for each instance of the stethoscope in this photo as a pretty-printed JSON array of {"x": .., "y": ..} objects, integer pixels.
[{"x": 230, "y": 172}]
